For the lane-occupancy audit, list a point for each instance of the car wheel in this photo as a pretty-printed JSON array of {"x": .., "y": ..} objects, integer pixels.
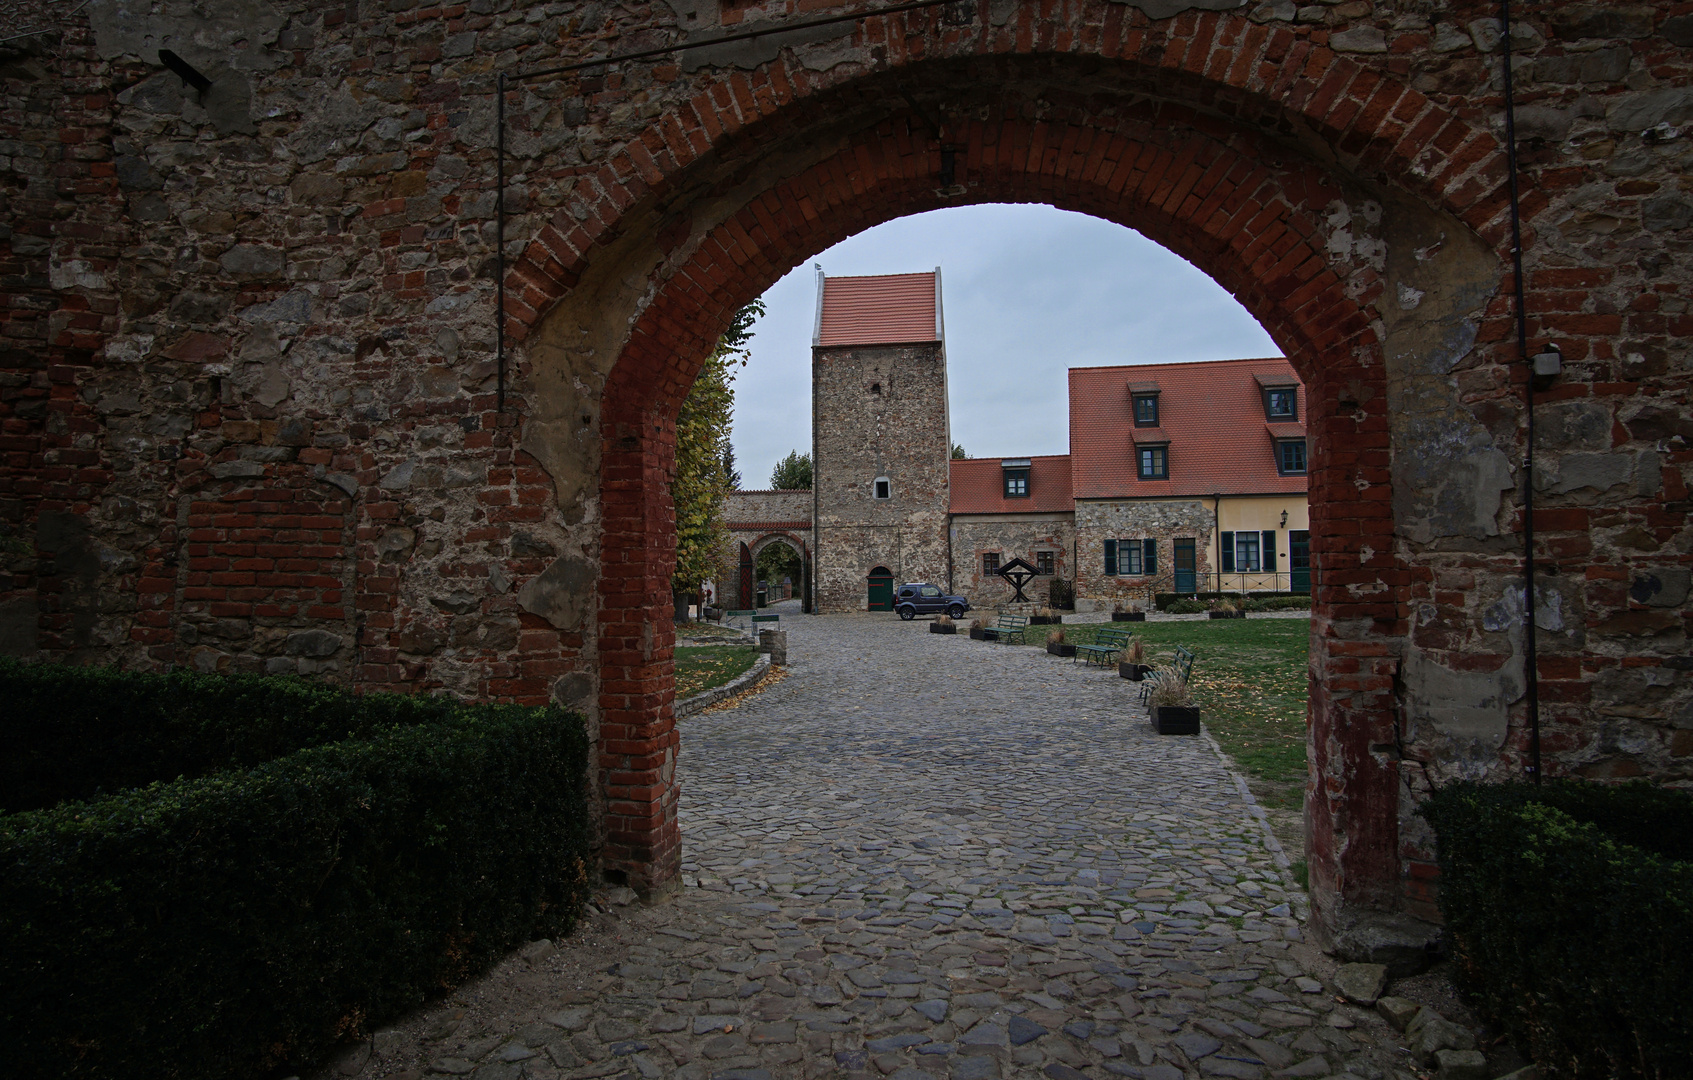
[
  {"x": 908, "y": 613},
  {"x": 956, "y": 611}
]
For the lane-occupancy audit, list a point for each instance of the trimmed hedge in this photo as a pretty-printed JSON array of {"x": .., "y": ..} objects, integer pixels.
[
  {"x": 1570, "y": 909},
  {"x": 77, "y": 732},
  {"x": 244, "y": 921}
]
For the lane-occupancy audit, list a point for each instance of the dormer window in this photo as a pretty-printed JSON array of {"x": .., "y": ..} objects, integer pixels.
[
  {"x": 1143, "y": 403},
  {"x": 1153, "y": 461},
  {"x": 1290, "y": 457},
  {"x": 1281, "y": 403},
  {"x": 1015, "y": 472}
]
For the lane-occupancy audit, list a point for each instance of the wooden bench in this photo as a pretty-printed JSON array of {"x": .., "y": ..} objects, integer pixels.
[
  {"x": 1106, "y": 647},
  {"x": 1183, "y": 667},
  {"x": 1009, "y": 626}
]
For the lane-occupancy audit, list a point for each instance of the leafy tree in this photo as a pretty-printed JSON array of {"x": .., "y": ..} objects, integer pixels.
[
  {"x": 703, "y": 451},
  {"x": 792, "y": 473},
  {"x": 958, "y": 453},
  {"x": 776, "y": 562}
]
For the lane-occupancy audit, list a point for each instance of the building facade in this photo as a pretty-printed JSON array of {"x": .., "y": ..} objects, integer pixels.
[{"x": 1181, "y": 478}]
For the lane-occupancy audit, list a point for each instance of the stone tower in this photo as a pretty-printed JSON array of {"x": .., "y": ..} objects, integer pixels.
[{"x": 881, "y": 439}]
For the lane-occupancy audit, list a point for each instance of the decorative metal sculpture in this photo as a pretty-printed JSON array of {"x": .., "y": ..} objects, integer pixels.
[{"x": 1019, "y": 574}]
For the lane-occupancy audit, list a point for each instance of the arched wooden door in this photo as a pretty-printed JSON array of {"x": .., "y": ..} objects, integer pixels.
[
  {"x": 746, "y": 576},
  {"x": 881, "y": 589}
]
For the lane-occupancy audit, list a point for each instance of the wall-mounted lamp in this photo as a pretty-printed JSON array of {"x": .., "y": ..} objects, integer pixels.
[
  {"x": 188, "y": 72},
  {"x": 1547, "y": 364},
  {"x": 1284, "y": 519}
]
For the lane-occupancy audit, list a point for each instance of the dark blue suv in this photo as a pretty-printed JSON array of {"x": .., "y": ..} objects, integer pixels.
[{"x": 916, "y": 598}]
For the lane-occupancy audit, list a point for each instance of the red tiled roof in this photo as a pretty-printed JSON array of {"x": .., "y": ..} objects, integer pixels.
[
  {"x": 1211, "y": 413},
  {"x": 884, "y": 309},
  {"x": 979, "y": 488}
]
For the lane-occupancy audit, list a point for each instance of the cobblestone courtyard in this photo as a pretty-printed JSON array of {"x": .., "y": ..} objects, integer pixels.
[{"x": 892, "y": 871}]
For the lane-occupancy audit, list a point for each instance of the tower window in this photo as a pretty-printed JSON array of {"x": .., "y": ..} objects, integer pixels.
[
  {"x": 1154, "y": 463},
  {"x": 883, "y": 488},
  {"x": 1281, "y": 403},
  {"x": 875, "y": 388},
  {"x": 1146, "y": 410}
]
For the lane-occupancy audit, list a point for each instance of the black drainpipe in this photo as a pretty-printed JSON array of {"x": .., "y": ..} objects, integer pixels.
[
  {"x": 1217, "y": 536},
  {"x": 1530, "y": 664}
]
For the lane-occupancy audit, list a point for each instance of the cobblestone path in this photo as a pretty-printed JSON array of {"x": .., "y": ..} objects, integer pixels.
[{"x": 927, "y": 857}]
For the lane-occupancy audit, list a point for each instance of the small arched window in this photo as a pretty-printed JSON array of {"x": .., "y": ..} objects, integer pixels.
[{"x": 882, "y": 488}]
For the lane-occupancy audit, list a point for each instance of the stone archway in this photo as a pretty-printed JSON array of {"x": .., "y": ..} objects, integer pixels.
[
  {"x": 800, "y": 549},
  {"x": 1260, "y": 159}
]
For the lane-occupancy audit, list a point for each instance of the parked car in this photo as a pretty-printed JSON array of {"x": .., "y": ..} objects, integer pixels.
[{"x": 916, "y": 598}]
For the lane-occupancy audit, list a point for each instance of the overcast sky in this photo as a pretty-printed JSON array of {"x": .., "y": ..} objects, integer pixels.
[{"x": 1029, "y": 292}]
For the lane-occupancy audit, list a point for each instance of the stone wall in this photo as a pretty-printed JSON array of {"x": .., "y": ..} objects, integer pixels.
[
  {"x": 767, "y": 507},
  {"x": 287, "y": 285},
  {"x": 1012, "y": 536},
  {"x": 1138, "y": 519},
  {"x": 878, "y": 411}
]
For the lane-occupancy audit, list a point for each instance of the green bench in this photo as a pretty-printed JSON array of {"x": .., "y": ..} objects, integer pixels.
[
  {"x": 1183, "y": 667},
  {"x": 1008, "y": 626},
  {"x": 1106, "y": 647},
  {"x": 772, "y": 617},
  {"x": 743, "y": 615}
]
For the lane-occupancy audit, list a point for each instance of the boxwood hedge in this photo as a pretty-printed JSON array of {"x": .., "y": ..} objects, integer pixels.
[
  {"x": 76, "y": 732},
  {"x": 249, "y": 919},
  {"x": 1570, "y": 910}
]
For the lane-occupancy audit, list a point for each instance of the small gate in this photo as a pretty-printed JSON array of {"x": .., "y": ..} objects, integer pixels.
[{"x": 881, "y": 589}]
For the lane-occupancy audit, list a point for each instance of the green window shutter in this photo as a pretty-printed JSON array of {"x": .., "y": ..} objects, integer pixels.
[
  {"x": 1226, "y": 550},
  {"x": 1269, "y": 549},
  {"x": 1149, "y": 562},
  {"x": 1110, "y": 558}
]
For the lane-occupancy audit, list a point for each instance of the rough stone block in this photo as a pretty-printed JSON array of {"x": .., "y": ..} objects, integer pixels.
[
  {"x": 1461, "y": 1064},
  {"x": 1397, "y": 1011},
  {"x": 1361, "y": 983}
]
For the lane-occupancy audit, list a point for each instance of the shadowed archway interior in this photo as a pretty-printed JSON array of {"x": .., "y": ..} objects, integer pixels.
[{"x": 1253, "y": 194}]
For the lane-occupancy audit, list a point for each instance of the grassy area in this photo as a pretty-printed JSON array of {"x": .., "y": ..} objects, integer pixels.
[
  {"x": 1248, "y": 679},
  {"x": 701, "y": 667}
]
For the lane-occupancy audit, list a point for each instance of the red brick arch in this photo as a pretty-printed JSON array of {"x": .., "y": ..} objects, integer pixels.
[{"x": 1225, "y": 142}]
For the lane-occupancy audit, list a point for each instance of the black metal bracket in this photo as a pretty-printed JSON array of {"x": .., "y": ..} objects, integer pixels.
[{"x": 186, "y": 71}]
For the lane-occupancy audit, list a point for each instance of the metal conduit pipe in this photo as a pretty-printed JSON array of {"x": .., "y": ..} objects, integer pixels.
[{"x": 1531, "y": 674}]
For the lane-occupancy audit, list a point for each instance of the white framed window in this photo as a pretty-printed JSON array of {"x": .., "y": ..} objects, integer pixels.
[{"x": 882, "y": 488}]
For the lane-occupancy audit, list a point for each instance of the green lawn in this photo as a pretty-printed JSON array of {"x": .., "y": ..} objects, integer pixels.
[
  {"x": 1248, "y": 680},
  {"x": 701, "y": 667}
]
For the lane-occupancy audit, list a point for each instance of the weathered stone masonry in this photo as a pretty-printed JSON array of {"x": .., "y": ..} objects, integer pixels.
[{"x": 285, "y": 286}]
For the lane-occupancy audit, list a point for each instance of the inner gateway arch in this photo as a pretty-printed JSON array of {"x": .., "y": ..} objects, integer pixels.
[{"x": 288, "y": 292}]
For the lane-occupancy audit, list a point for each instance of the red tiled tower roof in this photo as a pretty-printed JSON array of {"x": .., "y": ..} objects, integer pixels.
[
  {"x": 882, "y": 309},
  {"x": 978, "y": 486},
  {"x": 1210, "y": 414}
]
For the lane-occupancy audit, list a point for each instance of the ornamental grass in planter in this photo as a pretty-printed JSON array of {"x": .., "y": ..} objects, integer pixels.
[
  {"x": 1056, "y": 645},
  {"x": 943, "y": 624},
  {"x": 1045, "y": 617},
  {"x": 1127, "y": 613},
  {"x": 1171, "y": 705},
  {"x": 978, "y": 629},
  {"x": 1226, "y": 609},
  {"x": 1132, "y": 666}
]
